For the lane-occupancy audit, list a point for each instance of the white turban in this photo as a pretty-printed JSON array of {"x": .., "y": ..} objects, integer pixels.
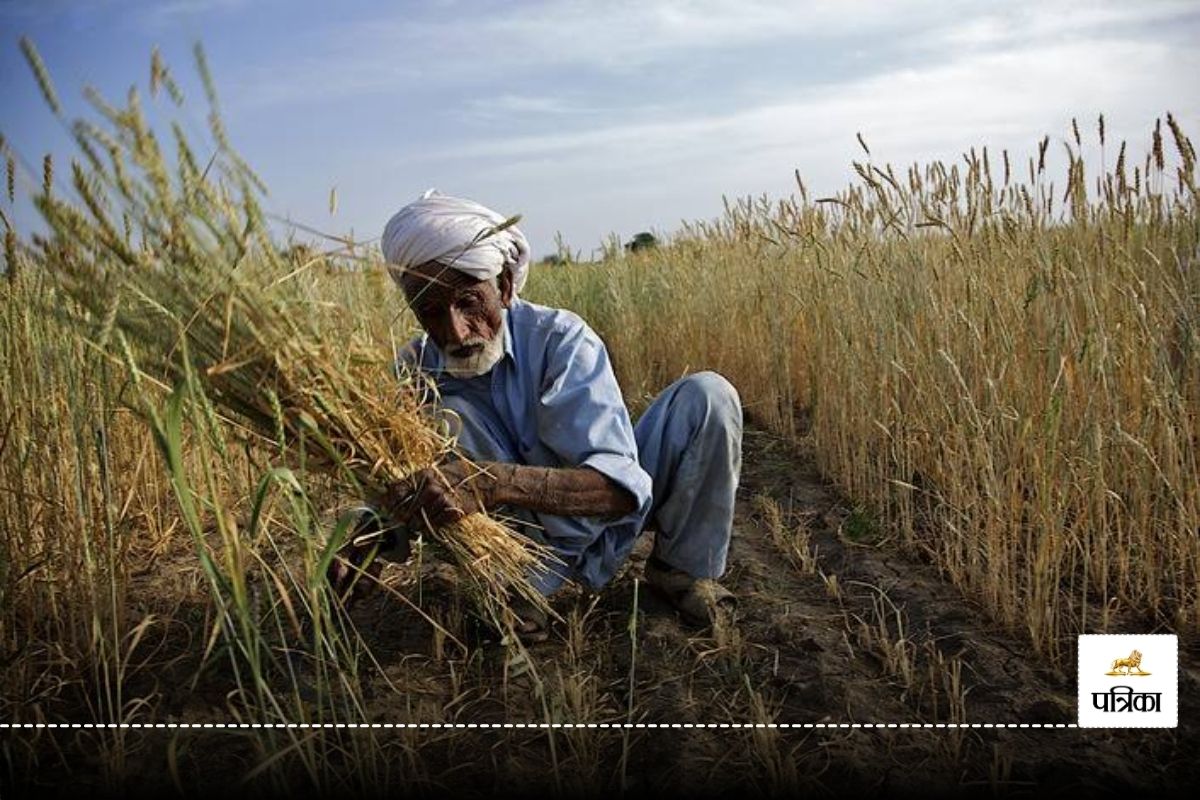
[{"x": 454, "y": 232}]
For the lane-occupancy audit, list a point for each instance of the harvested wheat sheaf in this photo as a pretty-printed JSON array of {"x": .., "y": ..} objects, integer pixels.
[{"x": 191, "y": 292}]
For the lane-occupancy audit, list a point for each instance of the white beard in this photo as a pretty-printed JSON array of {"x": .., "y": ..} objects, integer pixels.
[{"x": 482, "y": 362}]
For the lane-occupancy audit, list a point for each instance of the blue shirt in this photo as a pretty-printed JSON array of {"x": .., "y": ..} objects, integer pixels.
[{"x": 553, "y": 401}]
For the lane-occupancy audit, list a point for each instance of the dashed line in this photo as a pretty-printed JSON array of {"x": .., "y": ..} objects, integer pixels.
[{"x": 529, "y": 725}]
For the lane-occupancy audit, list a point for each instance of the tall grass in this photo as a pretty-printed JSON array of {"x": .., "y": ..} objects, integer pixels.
[
  {"x": 1007, "y": 371},
  {"x": 157, "y": 318}
]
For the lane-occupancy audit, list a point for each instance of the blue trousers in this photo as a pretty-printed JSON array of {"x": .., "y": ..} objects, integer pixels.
[{"x": 689, "y": 441}]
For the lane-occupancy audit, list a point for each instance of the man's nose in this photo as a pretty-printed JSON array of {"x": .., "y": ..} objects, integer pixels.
[{"x": 459, "y": 327}]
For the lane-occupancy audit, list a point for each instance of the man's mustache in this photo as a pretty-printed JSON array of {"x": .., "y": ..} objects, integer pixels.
[{"x": 470, "y": 347}]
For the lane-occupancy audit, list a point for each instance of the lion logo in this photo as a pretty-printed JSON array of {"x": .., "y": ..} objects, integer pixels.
[{"x": 1126, "y": 666}]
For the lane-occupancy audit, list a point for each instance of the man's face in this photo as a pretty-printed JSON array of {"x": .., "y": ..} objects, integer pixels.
[{"x": 461, "y": 314}]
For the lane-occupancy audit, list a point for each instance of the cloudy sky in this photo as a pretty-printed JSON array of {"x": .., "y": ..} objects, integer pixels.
[{"x": 591, "y": 118}]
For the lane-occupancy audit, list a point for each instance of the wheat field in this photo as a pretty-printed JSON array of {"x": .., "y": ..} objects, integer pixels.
[
  {"x": 1006, "y": 371},
  {"x": 998, "y": 367}
]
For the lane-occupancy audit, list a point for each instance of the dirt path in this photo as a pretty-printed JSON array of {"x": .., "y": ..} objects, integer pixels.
[{"x": 860, "y": 633}]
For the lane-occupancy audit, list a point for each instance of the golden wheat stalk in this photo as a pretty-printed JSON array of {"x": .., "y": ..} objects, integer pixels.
[{"x": 199, "y": 295}]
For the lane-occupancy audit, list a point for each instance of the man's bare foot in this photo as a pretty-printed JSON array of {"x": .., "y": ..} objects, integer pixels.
[{"x": 700, "y": 601}]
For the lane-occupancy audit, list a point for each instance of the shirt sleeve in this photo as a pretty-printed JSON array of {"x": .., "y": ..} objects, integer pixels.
[{"x": 582, "y": 417}]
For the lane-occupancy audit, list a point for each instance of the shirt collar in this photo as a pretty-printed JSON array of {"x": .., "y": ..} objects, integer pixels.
[{"x": 508, "y": 333}]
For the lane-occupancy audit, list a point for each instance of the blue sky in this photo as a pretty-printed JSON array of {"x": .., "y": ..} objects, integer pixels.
[{"x": 609, "y": 117}]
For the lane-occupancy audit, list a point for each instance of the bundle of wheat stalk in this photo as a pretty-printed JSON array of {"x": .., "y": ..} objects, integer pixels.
[{"x": 176, "y": 270}]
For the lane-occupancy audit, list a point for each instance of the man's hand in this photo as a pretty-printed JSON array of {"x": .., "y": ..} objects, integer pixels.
[{"x": 439, "y": 496}]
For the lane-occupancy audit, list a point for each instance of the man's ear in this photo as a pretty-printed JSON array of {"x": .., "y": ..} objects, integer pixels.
[{"x": 506, "y": 287}]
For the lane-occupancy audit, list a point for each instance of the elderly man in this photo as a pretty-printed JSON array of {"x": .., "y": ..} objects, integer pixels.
[{"x": 536, "y": 406}]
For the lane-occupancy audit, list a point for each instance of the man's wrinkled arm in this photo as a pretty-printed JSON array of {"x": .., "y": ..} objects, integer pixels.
[{"x": 565, "y": 491}]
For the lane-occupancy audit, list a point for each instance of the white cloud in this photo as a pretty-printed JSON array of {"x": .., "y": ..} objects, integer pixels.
[
  {"x": 461, "y": 45},
  {"x": 505, "y": 105},
  {"x": 1016, "y": 90},
  {"x": 631, "y": 34},
  {"x": 1018, "y": 24},
  {"x": 584, "y": 159},
  {"x": 660, "y": 172},
  {"x": 622, "y": 37}
]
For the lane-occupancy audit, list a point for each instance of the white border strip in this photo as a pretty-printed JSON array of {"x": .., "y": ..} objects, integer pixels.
[{"x": 535, "y": 725}]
